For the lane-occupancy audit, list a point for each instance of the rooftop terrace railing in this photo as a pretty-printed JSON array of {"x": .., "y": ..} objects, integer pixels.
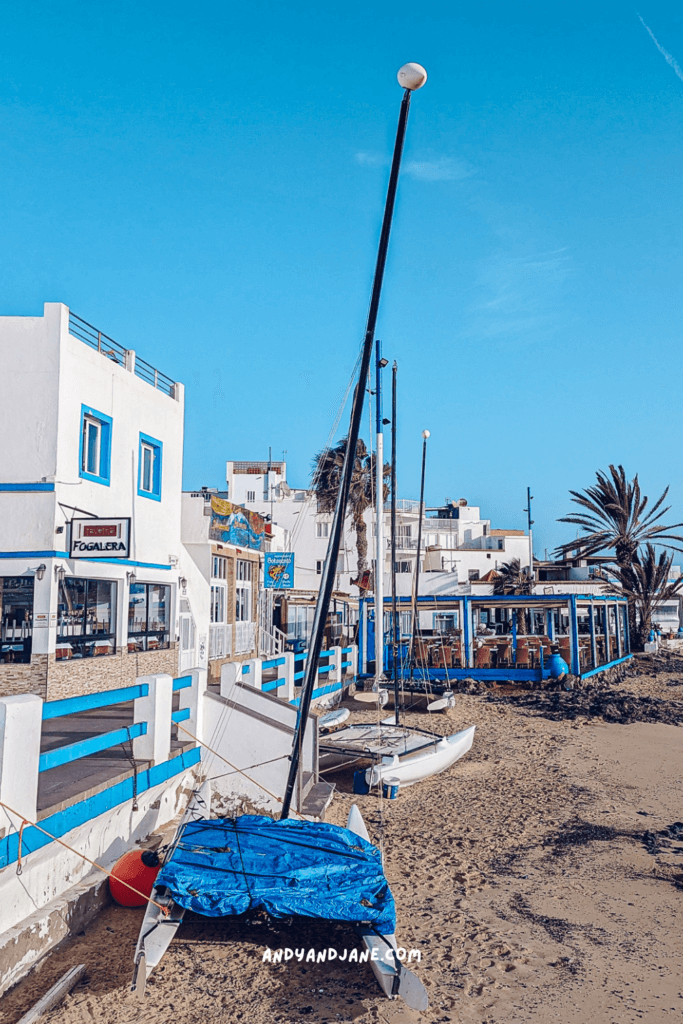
[{"x": 102, "y": 343}]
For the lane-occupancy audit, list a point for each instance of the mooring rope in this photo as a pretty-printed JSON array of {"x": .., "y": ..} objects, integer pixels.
[{"x": 78, "y": 853}]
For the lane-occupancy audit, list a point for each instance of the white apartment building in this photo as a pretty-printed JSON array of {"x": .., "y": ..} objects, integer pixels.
[
  {"x": 458, "y": 547},
  {"x": 94, "y": 582}
]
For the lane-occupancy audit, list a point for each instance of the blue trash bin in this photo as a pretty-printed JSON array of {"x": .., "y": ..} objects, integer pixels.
[{"x": 359, "y": 783}]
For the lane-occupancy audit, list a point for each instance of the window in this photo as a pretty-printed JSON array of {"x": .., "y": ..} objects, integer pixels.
[
  {"x": 242, "y": 604},
  {"x": 16, "y": 618},
  {"x": 322, "y": 529},
  {"x": 218, "y": 604},
  {"x": 244, "y": 570},
  {"x": 403, "y": 567},
  {"x": 319, "y": 567},
  {"x": 149, "y": 467},
  {"x": 444, "y": 623},
  {"x": 149, "y": 615},
  {"x": 472, "y": 574},
  {"x": 95, "y": 446},
  {"x": 251, "y": 495},
  {"x": 219, "y": 567},
  {"x": 86, "y": 611},
  {"x": 404, "y": 531},
  {"x": 243, "y": 573}
]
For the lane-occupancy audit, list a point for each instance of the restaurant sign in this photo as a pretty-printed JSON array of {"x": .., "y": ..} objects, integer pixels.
[
  {"x": 279, "y": 570},
  {"x": 100, "y": 538}
]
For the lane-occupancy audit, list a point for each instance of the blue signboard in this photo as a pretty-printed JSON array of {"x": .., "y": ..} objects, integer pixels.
[{"x": 279, "y": 570}]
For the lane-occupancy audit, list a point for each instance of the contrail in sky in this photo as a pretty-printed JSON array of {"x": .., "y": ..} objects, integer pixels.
[{"x": 671, "y": 61}]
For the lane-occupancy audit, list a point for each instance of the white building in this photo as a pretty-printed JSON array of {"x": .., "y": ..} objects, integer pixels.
[
  {"x": 458, "y": 546},
  {"x": 91, "y": 560},
  {"x": 226, "y": 544}
]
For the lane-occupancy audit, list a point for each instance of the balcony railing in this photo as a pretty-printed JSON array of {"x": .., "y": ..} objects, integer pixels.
[
  {"x": 220, "y": 640},
  {"x": 102, "y": 343},
  {"x": 244, "y": 637}
]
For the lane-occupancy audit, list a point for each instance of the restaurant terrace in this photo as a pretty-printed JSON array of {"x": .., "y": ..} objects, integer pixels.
[{"x": 499, "y": 638}]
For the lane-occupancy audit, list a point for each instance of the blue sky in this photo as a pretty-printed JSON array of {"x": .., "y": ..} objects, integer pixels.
[{"x": 205, "y": 183}]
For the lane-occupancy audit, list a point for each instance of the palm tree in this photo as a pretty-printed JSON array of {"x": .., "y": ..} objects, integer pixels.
[
  {"x": 327, "y": 467},
  {"x": 510, "y": 578},
  {"x": 616, "y": 518},
  {"x": 645, "y": 582}
]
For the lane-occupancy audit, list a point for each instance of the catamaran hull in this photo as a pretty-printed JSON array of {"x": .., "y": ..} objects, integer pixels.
[{"x": 409, "y": 770}]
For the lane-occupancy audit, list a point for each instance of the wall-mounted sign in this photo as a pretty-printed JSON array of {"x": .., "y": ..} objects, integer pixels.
[
  {"x": 100, "y": 538},
  {"x": 278, "y": 571}
]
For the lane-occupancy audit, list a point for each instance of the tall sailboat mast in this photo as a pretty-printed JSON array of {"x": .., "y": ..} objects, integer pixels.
[{"x": 411, "y": 77}]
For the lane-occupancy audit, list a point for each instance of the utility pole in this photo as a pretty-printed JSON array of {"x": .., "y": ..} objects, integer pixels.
[{"x": 530, "y": 523}]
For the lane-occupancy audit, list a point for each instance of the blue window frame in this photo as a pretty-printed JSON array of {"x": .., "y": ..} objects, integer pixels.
[
  {"x": 94, "y": 455},
  {"x": 149, "y": 467}
]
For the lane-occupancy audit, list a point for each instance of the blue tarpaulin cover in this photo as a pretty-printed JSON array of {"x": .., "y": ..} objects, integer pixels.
[{"x": 225, "y": 866}]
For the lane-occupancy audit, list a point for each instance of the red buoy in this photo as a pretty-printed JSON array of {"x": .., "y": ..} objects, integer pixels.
[{"x": 139, "y": 868}]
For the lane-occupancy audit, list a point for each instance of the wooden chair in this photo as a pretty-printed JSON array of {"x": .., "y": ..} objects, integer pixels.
[
  {"x": 522, "y": 653},
  {"x": 482, "y": 657},
  {"x": 443, "y": 657},
  {"x": 421, "y": 653},
  {"x": 504, "y": 653},
  {"x": 456, "y": 658}
]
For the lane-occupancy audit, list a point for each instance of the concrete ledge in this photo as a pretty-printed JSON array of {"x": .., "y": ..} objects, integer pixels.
[{"x": 22, "y": 947}]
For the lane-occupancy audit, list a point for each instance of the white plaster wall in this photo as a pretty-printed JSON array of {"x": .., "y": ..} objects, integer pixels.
[
  {"x": 29, "y": 382},
  {"x": 244, "y": 741},
  {"x": 50, "y": 871}
]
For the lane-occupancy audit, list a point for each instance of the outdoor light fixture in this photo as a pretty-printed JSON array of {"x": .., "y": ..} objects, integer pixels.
[
  {"x": 130, "y": 576},
  {"x": 383, "y": 363},
  {"x": 426, "y": 434},
  {"x": 40, "y": 571},
  {"x": 183, "y": 583},
  {"x": 60, "y": 573}
]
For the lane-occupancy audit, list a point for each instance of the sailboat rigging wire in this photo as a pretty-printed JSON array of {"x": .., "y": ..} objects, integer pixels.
[
  {"x": 310, "y": 495},
  {"x": 231, "y": 765}
]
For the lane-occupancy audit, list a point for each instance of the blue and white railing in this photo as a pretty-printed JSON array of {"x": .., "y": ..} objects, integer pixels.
[
  {"x": 22, "y": 762},
  {"x": 337, "y": 669}
]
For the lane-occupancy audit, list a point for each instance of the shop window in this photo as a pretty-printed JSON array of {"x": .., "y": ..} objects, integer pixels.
[
  {"x": 86, "y": 618},
  {"x": 149, "y": 467},
  {"x": 95, "y": 446},
  {"x": 149, "y": 615},
  {"x": 16, "y": 618}
]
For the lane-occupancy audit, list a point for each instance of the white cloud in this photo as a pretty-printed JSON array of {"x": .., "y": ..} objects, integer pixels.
[
  {"x": 371, "y": 160},
  {"x": 444, "y": 168},
  {"x": 520, "y": 296},
  {"x": 671, "y": 61}
]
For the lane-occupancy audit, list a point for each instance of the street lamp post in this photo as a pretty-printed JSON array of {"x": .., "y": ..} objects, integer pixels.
[{"x": 410, "y": 77}]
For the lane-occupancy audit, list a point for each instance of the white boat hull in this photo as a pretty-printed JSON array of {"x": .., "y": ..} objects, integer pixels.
[
  {"x": 409, "y": 770},
  {"x": 392, "y": 977}
]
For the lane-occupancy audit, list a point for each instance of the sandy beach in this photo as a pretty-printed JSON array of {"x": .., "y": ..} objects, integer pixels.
[{"x": 541, "y": 879}]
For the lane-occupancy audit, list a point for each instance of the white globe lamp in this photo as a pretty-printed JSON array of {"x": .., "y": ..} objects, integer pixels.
[
  {"x": 412, "y": 76},
  {"x": 426, "y": 434}
]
